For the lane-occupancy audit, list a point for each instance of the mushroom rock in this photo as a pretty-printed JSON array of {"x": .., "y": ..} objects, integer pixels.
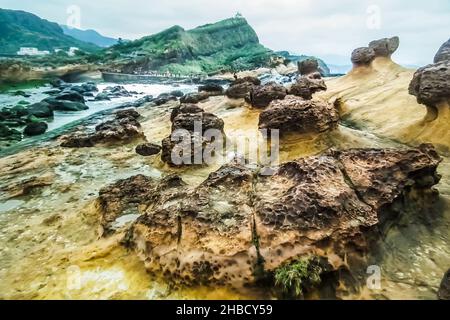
[
  {"x": 124, "y": 128},
  {"x": 443, "y": 53},
  {"x": 385, "y": 47},
  {"x": 307, "y": 85},
  {"x": 308, "y": 66},
  {"x": 362, "y": 56},
  {"x": 294, "y": 114},
  {"x": 238, "y": 225},
  {"x": 431, "y": 85},
  {"x": 261, "y": 96}
]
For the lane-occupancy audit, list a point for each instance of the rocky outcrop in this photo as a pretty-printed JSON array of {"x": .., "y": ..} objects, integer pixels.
[
  {"x": 35, "y": 128},
  {"x": 444, "y": 288},
  {"x": 239, "y": 226},
  {"x": 189, "y": 123},
  {"x": 148, "y": 149},
  {"x": 261, "y": 96},
  {"x": 308, "y": 66},
  {"x": 194, "y": 97},
  {"x": 307, "y": 85},
  {"x": 124, "y": 128},
  {"x": 378, "y": 48},
  {"x": 384, "y": 47},
  {"x": 240, "y": 88},
  {"x": 443, "y": 53},
  {"x": 431, "y": 84},
  {"x": 211, "y": 89},
  {"x": 294, "y": 114},
  {"x": 362, "y": 56}
]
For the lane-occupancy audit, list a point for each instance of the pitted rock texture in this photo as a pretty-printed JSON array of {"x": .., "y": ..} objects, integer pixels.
[
  {"x": 385, "y": 47},
  {"x": 431, "y": 84},
  {"x": 362, "y": 56},
  {"x": 307, "y": 66},
  {"x": 189, "y": 124},
  {"x": 444, "y": 288},
  {"x": 307, "y": 85},
  {"x": 294, "y": 114},
  {"x": 443, "y": 53},
  {"x": 211, "y": 89},
  {"x": 241, "y": 87},
  {"x": 238, "y": 223},
  {"x": 147, "y": 149},
  {"x": 124, "y": 128},
  {"x": 261, "y": 96}
]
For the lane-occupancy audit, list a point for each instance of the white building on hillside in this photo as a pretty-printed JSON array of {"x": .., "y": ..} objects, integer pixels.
[{"x": 31, "y": 51}]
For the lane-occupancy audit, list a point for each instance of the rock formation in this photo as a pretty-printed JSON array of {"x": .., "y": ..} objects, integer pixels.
[
  {"x": 307, "y": 85},
  {"x": 211, "y": 89},
  {"x": 294, "y": 114},
  {"x": 184, "y": 120},
  {"x": 362, "y": 56},
  {"x": 444, "y": 288},
  {"x": 148, "y": 149},
  {"x": 124, "y": 128},
  {"x": 240, "y": 88},
  {"x": 384, "y": 47},
  {"x": 431, "y": 84},
  {"x": 239, "y": 226},
  {"x": 308, "y": 66},
  {"x": 261, "y": 96}
]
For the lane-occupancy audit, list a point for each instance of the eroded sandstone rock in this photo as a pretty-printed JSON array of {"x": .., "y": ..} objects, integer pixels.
[
  {"x": 241, "y": 87},
  {"x": 123, "y": 128},
  {"x": 385, "y": 47},
  {"x": 238, "y": 225},
  {"x": 362, "y": 56},
  {"x": 444, "y": 288},
  {"x": 443, "y": 53},
  {"x": 307, "y": 85},
  {"x": 294, "y": 114},
  {"x": 261, "y": 96},
  {"x": 308, "y": 66},
  {"x": 148, "y": 149}
]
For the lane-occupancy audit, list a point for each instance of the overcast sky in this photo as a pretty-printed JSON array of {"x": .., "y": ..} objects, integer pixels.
[{"x": 324, "y": 28}]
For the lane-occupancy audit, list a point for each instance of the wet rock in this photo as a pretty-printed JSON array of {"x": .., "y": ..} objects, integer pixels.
[
  {"x": 307, "y": 85},
  {"x": 261, "y": 96},
  {"x": 35, "y": 128},
  {"x": 127, "y": 113},
  {"x": 294, "y": 114},
  {"x": 7, "y": 133},
  {"x": 148, "y": 149},
  {"x": 238, "y": 225},
  {"x": 308, "y": 66},
  {"x": 194, "y": 97},
  {"x": 431, "y": 84},
  {"x": 123, "y": 129},
  {"x": 58, "y": 83},
  {"x": 212, "y": 89},
  {"x": 65, "y": 105},
  {"x": 385, "y": 47},
  {"x": 363, "y": 56},
  {"x": 40, "y": 110},
  {"x": 21, "y": 93},
  {"x": 177, "y": 93},
  {"x": 444, "y": 288},
  {"x": 70, "y": 96},
  {"x": 52, "y": 92},
  {"x": 185, "y": 108},
  {"x": 443, "y": 53},
  {"x": 102, "y": 96},
  {"x": 164, "y": 98}
]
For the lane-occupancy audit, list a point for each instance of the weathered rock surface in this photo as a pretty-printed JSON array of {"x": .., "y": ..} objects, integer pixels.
[
  {"x": 241, "y": 87},
  {"x": 123, "y": 129},
  {"x": 261, "y": 96},
  {"x": 362, "y": 56},
  {"x": 443, "y": 53},
  {"x": 189, "y": 118},
  {"x": 307, "y": 85},
  {"x": 444, "y": 288},
  {"x": 65, "y": 105},
  {"x": 385, "y": 47},
  {"x": 194, "y": 97},
  {"x": 70, "y": 95},
  {"x": 294, "y": 114},
  {"x": 148, "y": 149},
  {"x": 238, "y": 225},
  {"x": 35, "y": 128},
  {"x": 212, "y": 89},
  {"x": 308, "y": 66}
]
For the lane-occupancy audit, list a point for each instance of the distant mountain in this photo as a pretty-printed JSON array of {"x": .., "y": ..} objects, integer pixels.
[
  {"x": 228, "y": 45},
  {"x": 24, "y": 29},
  {"x": 90, "y": 36},
  {"x": 296, "y": 58}
]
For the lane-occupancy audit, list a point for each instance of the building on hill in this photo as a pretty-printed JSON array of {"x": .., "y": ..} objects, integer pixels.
[{"x": 31, "y": 51}]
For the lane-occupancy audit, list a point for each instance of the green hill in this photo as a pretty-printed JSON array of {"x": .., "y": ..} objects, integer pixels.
[
  {"x": 24, "y": 29},
  {"x": 227, "y": 45}
]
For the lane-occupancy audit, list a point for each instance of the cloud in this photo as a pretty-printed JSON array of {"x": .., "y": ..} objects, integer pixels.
[{"x": 317, "y": 27}]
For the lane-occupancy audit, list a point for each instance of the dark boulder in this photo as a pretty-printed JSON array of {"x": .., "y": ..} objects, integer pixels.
[
  {"x": 253, "y": 80},
  {"x": 240, "y": 90},
  {"x": 444, "y": 288},
  {"x": 177, "y": 93},
  {"x": 65, "y": 105},
  {"x": 194, "y": 97},
  {"x": 362, "y": 56},
  {"x": 308, "y": 66},
  {"x": 443, "y": 53},
  {"x": 185, "y": 108},
  {"x": 35, "y": 128},
  {"x": 127, "y": 113},
  {"x": 70, "y": 96},
  {"x": 211, "y": 89},
  {"x": 384, "y": 47},
  {"x": 294, "y": 114},
  {"x": 148, "y": 149},
  {"x": 40, "y": 109},
  {"x": 307, "y": 85},
  {"x": 261, "y": 96}
]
